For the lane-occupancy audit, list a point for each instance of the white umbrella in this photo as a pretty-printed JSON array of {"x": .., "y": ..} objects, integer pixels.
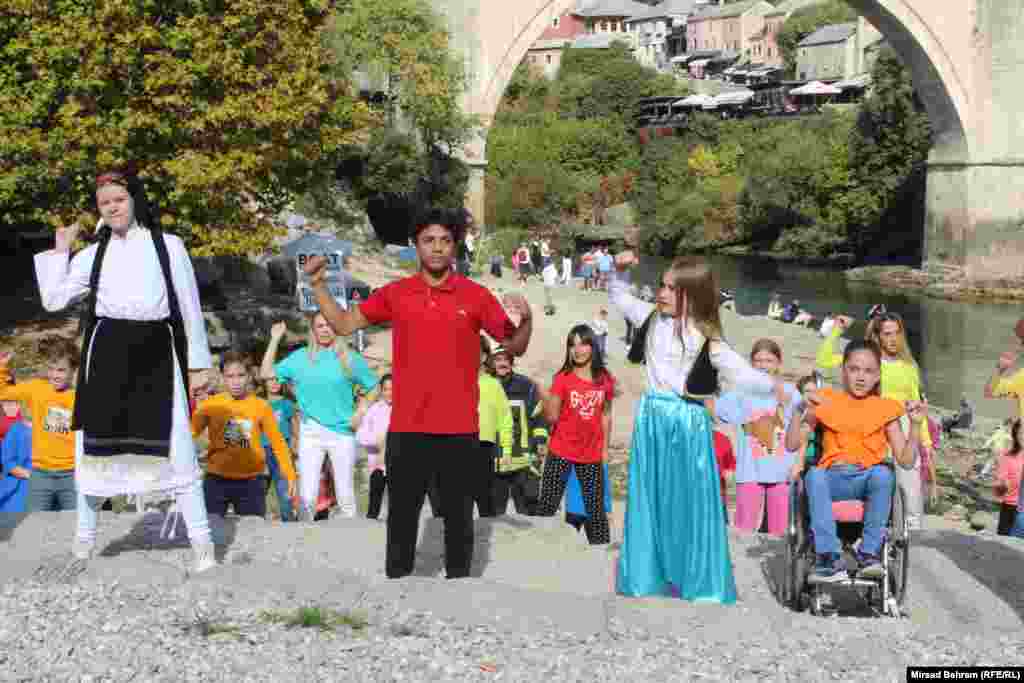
[
  {"x": 815, "y": 88},
  {"x": 698, "y": 100},
  {"x": 734, "y": 97}
]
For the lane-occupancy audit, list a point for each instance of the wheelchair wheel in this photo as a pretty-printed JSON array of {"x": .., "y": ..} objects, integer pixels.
[
  {"x": 796, "y": 566},
  {"x": 898, "y": 549}
]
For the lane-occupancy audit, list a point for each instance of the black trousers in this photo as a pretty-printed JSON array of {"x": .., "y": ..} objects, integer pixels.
[
  {"x": 412, "y": 460},
  {"x": 591, "y": 478},
  {"x": 246, "y": 496},
  {"x": 378, "y": 482},
  {"x": 1007, "y": 515},
  {"x": 522, "y": 486},
  {"x": 483, "y": 489}
]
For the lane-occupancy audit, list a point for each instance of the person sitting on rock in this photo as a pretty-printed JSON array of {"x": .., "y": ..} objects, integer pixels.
[{"x": 859, "y": 428}]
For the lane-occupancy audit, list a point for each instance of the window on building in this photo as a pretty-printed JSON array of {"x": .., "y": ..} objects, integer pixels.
[
  {"x": 604, "y": 26},
  {"x": 554, "y": 22}
]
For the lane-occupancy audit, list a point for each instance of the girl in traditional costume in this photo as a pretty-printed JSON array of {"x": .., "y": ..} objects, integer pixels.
[
  {"x": 675, "y": 540},
  {"x": 144, "y": 334}
]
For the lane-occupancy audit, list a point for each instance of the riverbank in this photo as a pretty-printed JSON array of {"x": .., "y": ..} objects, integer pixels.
[{"x": 940, "y": 283}]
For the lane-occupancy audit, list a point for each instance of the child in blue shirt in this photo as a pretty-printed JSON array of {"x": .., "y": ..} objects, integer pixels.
[{"x": 287, "y": 421}]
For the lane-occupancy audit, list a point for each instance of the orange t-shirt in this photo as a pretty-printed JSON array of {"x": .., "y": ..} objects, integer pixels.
[{"x": 854, "y": 428}]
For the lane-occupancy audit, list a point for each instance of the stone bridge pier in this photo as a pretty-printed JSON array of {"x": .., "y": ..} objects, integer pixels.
[{"x": 966, "y": 57}]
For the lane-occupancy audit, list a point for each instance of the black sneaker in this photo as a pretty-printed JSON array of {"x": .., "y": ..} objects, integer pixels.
[{"x": 829, "y": 569}]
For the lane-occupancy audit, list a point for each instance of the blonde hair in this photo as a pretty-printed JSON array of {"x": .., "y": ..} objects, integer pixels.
[
  {"x": 874, "y": 334},
  {"x": 340, "y": 348},
  {"x": 697, "y": 289}
]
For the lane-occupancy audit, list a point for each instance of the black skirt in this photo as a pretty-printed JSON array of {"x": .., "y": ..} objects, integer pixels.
[{"x": 125, "y": 396}]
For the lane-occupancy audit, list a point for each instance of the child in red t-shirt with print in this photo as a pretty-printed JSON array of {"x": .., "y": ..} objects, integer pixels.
[
  {"x": 579, "y": 406},
  {"x": 1007, "y": 480}
]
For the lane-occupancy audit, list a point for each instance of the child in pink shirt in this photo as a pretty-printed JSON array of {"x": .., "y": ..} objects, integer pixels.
[
  {"x": 1007, "y": 483},
  {"x": 371, "y": 435}
]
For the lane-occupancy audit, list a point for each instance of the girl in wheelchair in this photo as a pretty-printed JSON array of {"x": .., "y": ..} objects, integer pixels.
[{"x": 858, "y": 427}]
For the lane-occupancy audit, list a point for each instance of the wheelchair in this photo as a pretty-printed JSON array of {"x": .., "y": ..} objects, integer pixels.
[{"x": 885, "y": 594}]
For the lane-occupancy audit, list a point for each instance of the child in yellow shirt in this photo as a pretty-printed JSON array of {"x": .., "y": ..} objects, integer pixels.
[
  {"x": 236, "y": 421},
  {"x": 49, "y": 403}
]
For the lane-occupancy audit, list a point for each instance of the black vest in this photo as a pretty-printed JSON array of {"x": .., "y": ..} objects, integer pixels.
[{"x": 702, "y": 381}]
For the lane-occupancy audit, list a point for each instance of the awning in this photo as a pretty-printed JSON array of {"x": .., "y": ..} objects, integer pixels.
[
  {"x": 700, "y": 62},
  {"x": 767, "y": 71},
  {"x": 734, "y": 97},
  {"x": 862, "y": 81},
  {"x": 816, "y": 88},
  {"x": 698, "y": 100}
]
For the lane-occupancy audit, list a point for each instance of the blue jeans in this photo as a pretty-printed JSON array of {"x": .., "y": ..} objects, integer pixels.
[
  {"x": 51, "y": 491},
  {"x": 281, "y": 487},
  {"x": 1018, "y": 522},
  {"x": 848, "y": 482}
]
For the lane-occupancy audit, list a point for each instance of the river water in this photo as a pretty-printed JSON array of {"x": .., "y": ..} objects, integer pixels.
[{"x": 955, "y": 343}]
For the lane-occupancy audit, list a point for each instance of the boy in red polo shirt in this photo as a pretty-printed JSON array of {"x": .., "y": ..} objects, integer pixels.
[{"x": 436, "y": 318}]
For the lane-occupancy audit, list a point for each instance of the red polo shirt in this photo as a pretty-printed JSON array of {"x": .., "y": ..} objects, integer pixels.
[{"x": 435, "y": 340}]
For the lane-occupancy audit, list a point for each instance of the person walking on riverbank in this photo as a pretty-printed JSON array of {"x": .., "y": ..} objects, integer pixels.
[
  {"x": 324, "y": 376},
  {"x": 901, "y": 381},
  {"x": 436, "y": 322},
  {"x": 675, "y": 540}
]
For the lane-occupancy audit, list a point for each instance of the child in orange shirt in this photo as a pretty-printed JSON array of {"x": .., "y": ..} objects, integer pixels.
[
  {"x": 859, "y": 427},
  {"x": 236, "y": 421},
  {"x": 1008, "y": 474},
  {"x": 49, "y": 403}
]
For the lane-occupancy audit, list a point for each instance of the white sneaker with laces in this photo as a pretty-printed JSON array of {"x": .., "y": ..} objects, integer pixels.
[{"x": 82, "y": 550}]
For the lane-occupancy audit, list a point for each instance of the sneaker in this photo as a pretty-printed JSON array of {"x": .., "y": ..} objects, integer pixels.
[
  {"x": 205, "y": 558},
  {"x": 829, "y": 569},
  {"x": 913, "y": 522},
  {"x": 870, "y": 567},
  {"x": 82, "y": 550}
]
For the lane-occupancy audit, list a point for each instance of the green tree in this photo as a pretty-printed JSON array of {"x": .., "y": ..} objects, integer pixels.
[
  {"x": 805, "y": 21},
  {"x": 226, "y": 109}
]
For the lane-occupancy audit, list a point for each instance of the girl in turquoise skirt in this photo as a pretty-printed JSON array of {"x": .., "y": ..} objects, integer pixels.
[{"x": 675, "y": 540}]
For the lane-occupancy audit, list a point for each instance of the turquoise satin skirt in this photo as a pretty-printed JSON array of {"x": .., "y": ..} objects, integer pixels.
[{"x": 675, "y": 540}]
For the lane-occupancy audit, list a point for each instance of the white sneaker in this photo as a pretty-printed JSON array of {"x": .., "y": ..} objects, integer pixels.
[
  {"x": 205, "y": 557},
  {"x": 913, "y": 522}
]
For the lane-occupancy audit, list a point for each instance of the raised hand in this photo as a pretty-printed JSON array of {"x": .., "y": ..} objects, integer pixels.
[
  {"x": 517, "y": 306},
  {"x": 316, "y": 269},
  {"x": 625, "y": 260},
  {"x": 278, "y": 330},
  {"x": 66, "y": 237},
  {"x": 6, "y": 357},
  {"x": 844, "y": 321}
]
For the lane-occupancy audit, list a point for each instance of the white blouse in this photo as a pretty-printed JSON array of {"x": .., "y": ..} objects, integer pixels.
[
  {"x": 131, "y": 285},
  {"x": 669, "y": 362}
]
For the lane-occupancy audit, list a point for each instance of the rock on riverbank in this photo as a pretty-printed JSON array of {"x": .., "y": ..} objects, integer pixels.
[{"x": 939, "y": 283}]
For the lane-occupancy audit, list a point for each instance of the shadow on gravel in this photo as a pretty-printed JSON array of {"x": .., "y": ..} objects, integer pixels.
[
  {"x": 9, "y": 521},
  {"x": 771, "y": 555},
  {"x": 430, "y": 552},
  {"x": 155, "y": 531},
  {"x": 993, "y": 564}
]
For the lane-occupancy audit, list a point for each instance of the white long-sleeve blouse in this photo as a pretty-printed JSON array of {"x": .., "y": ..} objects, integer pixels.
[
  {"x": 669, "y": 359},
  {"x": 131, "y": 286}
]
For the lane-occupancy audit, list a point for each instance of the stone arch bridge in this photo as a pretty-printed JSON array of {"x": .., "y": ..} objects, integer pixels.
[{"x": 966, "y": 57}]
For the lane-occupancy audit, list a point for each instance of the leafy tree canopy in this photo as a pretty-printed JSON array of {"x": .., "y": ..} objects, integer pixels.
[{"x": 224, "y": 109}]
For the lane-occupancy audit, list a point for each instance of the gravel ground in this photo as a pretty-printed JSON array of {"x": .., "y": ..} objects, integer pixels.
[{"x": 135, "y": 616}]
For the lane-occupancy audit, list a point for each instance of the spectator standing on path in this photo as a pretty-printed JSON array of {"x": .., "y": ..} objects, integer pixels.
[
  {"x": 604, "y": 267},
  {"x": 372, "y": 434},
  {"x": 237, "y": 420},
  {"x": 145, "y": 341},
  {"x": 536, "y": 259},
  {"x": 495, "y": 434},
  {"x": 545, "y": 253},
  {"x": 600, "y": 327},
  {"x": 436, "y": 321},
  {"x": 1007, "y": 479},
  {"x": 566, "y": 268},
  {"x": 324, "y": 376},
  {"x": 517, "y": 474},
  {"x": 579, "y": 405},
  {"x": 550, "y": 275},
  {"x": 523, "y": 264},
  {"x": 50, "y": 402},
  {"x": 675, "y": 540},
  {"x": 587, "y": 269}
]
